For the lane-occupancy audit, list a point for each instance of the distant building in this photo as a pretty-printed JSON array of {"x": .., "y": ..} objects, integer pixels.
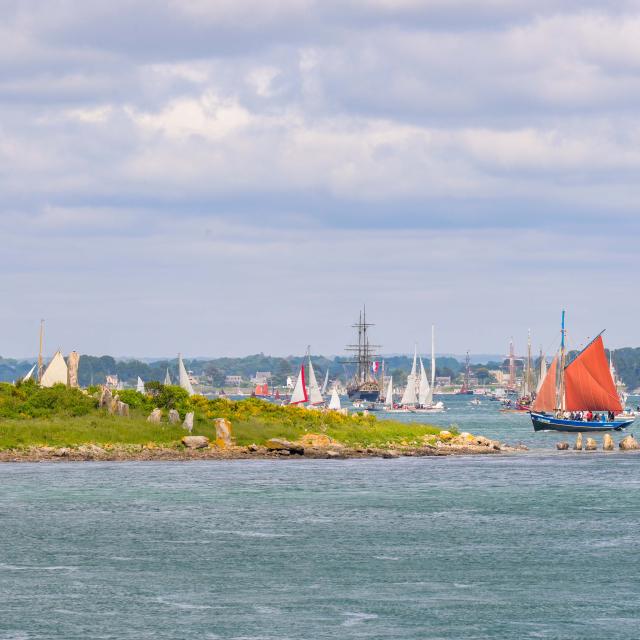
[
  {"x": 111, "y": 381},
  {"x": 261, "y": 377},
  {"x": 443, "y": 381},
  {"x": 233, "y": 380}
]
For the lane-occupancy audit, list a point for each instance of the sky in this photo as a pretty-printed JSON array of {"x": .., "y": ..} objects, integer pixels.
[{"x": 225, "y": 177}]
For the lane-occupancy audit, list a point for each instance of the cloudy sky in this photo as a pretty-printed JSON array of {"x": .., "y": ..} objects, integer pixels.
[{"x": 222, "y": 177}]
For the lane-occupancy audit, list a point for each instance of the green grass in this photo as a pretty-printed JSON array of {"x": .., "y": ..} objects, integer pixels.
[{"x": 60, "y": 417}]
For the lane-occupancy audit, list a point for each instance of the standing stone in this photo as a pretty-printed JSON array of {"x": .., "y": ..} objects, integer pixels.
[
  {"x": 223, "y": 432},
  {"x": 578, "y": 445},
  {"x": 562, "y": 446},
  {"x": 72, "y": 369},
  {"x": 188, "y": 422},
  {"x": 105, "y": 398},
  {"x": 591, "y": 445},
  {"x": 174, "y": 416},
  {"x": 629, "y": 443},
  {"x": 122, "y": 409},
  {"x": 155, "y": 416},
  {"x": 607, "y": 442}
]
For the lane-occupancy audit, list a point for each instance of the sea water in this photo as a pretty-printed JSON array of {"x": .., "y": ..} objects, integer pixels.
[{"x": 535, "y": 545}]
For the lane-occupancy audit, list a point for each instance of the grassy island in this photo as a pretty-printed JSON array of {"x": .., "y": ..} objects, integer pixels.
[{"x": 61, "y": 417}]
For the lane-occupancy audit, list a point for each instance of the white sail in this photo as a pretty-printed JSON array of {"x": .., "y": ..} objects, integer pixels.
[
  {"x": 299, "y": 393},
  {"x": 334, "y": 403},
  {"x": 167, "y": 379},
  {"x": 543, "y": 373},
  {"x": 325, "y": 383},
  {"x": 56, "y": 372},
  {"x": 30, "y": 374},
  {"x": 423, "y": 387},
  {"x": 388, "y": 398},
  {"x": 315, "y": 397},
  {"x": 184, "y": 381},
  {"x": 140, "y": 385},
  {"x": 409, "y": 396},
  {"x": 433, "y": 365}
]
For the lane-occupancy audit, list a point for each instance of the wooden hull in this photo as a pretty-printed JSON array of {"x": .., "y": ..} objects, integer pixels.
[{"x": 544, "y": 422}]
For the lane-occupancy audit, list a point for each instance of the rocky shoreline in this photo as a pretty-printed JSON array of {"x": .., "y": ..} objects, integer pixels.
[{"x": 311, "y": 446}]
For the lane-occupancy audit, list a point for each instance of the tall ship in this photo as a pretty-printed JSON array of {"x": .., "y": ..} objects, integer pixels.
[
  {"x": 579, "y": 396},
  {"x": 364, "y": 385}
]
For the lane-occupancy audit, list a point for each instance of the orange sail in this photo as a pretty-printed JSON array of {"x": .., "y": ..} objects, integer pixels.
[
  {"x": 546, "y": 398},
  {"x": 588, "y": 382}
]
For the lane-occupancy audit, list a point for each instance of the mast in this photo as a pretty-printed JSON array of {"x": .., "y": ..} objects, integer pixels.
[
  {"x": 560, "y": 375},
  {"x": 512, "y": 366},
  {"x": 40, "y": 365},
  {"x": 466, "y": 372},
  {"x": 529, "y": 371}
]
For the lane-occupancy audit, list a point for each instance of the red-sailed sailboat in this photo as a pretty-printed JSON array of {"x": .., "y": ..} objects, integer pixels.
[{"x": 579, "y": 396}]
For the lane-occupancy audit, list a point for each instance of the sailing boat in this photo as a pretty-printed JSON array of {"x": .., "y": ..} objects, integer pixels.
[
  {"x": 301, "y": 394},
  {"x": 167, "y": 379},
  {"x": 388, "y": 396},
  {"x": 30, "y": 374},
  {"x": 183, "y": 377},
  {"x": 140, "y": 385},
  {"x": 585, "y": 385},
  {"x": 56, "y": 373}
]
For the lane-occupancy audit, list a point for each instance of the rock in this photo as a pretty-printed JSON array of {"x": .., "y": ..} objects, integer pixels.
[
  {"x": 316, "y": 440},
  {"x": 332, "y": 454},
  {"x": 607, "y": 442},
  {"x": 105, "y": 397},
  {"x": 195, "y": 442},
  {"x": 578, "y": 445},
  {"x": 591, "y": 445},
  {"x": 223, "y": 432},
  {"x": 155, "y": 416},
  {"x": 174, "y": 416},
  {"x": 562, "y": 446},
  {"x": 253, "y": 448},
  {"x": 629, "y": 443},
  {"x": 445, "y": 435},
  {"x": 390, "y": 454},
  {"x": 188, "y": 422},
  {"x": 62, "y": 452},
  {"x": 278, "y": 444}
]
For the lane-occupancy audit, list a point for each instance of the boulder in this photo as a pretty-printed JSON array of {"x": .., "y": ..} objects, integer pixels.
[
  {"x": 562, "y": 446},
  {"x": 387, "y": 455},
  {"x": 195, "y": 442},
  {"x": 279, "y": 444},
  {"x": 223, "y": 432},
  {"x": 607, "y": 442},
  {"x": 445, "y": 435},
  {"x": 578, "y": 445},
  {"x": 629, "y": 443},
  {"x": 332, "y": 454},
  {"x": 188, "y": 422},
  {"x": 174, "y": 416},
  {"x": 591, "y": 445},
  {"x": 252, "y": 448},
  {"x": 155, "y": 416}
]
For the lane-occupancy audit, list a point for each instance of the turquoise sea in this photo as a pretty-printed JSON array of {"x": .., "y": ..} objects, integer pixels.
[{"x": 535, "y": 545}]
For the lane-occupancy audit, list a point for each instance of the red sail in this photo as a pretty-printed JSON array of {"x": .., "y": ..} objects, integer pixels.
[
  {"x": 588, "y": 382},
  {"x": 546, "y": 398}
]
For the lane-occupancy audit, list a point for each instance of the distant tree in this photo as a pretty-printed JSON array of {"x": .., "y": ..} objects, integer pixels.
[{"x": 217, "y": 376}]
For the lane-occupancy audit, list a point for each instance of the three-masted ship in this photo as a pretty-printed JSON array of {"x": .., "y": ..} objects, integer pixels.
[
  {"x": 364, "y": 385},
  {"x": 579, "y": 396}
]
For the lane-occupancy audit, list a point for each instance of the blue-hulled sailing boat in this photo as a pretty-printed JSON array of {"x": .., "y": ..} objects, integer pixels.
[{"x": 584, "y": 386}]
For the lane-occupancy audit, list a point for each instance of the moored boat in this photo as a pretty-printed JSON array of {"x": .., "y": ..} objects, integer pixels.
[{"x": 571, "y": 393}]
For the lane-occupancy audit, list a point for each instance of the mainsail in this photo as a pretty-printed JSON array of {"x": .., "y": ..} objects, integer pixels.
[
  {"x": 184, "y": 381},
  {"x": 334, "y": 403},
  {"x": 388, "y": 398},
  {"x": 325, "y": 383},
  {"x": 588, "y": 383},
  {"x": 423, "y": 388},
  {"x": 315, "y": 396},
  {"x": 299, "y": 394},
  {"x": 140, "y": 385},
  {"x": 409, "y": 396},
  {"x": 433, "y": 365},
  {"x": 56, "y": 372},
  {"x": 167, "y": 379},
  {"x": 543, "y": 372}
]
